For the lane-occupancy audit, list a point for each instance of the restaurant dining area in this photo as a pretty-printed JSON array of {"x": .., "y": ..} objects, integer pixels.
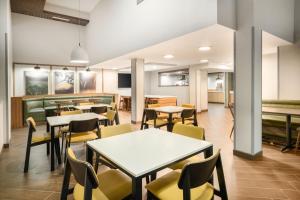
[{"x": 149, "y": 100}]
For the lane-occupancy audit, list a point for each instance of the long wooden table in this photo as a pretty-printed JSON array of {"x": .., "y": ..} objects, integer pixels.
[{"x": 288, "y": 113}]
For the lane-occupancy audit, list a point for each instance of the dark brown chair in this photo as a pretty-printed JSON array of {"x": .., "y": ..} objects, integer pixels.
[
  {"x": 82, "y": 131},
  {"x": 197, "y": 176},
  {"x": 109, "y": 185},
  {"x": 35, "y": 140},
  {"x": 231, "y": 108},
  {"x": 150, "y": 118},
  {"x": 99, "y": 110},
  {"x": 187, "y": 117}
]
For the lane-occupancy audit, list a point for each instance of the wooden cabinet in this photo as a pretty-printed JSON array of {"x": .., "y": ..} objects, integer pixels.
[
  {"x": 17, "y": 112},
  {"x": 216, "y": 97}
]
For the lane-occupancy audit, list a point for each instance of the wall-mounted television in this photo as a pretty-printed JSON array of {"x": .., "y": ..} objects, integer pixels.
[{"x": 124, "y": 80}]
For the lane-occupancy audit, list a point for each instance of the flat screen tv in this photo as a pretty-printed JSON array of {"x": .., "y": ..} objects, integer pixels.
[{"x": 124, "y": 80}]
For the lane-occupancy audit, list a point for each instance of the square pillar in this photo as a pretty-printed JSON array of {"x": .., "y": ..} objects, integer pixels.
[
  {"x": 137, "y": 90},
  {"x": 248, "y": 92}
]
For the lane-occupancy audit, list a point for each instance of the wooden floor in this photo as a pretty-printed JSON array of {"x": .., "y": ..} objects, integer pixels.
[{"x": 275, "y": 176}]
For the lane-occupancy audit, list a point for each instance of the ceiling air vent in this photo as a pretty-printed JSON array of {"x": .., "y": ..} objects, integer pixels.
[{"x": 139, "y": 1}]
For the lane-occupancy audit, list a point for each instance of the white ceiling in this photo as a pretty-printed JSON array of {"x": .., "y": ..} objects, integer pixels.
[
  {"x": 185, "y": 51},
  {"x": 85, "y": 5}
]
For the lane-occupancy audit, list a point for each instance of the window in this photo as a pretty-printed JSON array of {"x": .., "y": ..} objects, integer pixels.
[{"x": 174, "y": 78}]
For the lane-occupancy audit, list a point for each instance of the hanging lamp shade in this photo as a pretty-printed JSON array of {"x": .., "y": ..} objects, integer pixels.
[{"x": 79, "y": 55}]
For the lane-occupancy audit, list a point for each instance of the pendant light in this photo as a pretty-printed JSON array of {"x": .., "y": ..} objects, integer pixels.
[{"x": 78, "y": 54}]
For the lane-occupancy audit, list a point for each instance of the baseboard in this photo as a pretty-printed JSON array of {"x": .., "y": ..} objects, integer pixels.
[
  {"x": 248, "y": 156},
  {"x": 205, "y": 110}
]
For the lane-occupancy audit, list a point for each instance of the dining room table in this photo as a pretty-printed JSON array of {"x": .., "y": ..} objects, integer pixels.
[
  {"x": 170, "y": 110},
  {"x": 288, "y": 113},
  {"x": 143, "y": 153},
  {"x": 59, "y": 121}
]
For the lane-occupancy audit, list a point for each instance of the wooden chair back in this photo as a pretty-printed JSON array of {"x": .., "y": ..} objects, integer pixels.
[
  {"x": 99, "y": 110},
  {"x": 83, "y": 126},
  {"x": 196, "y": 174}
]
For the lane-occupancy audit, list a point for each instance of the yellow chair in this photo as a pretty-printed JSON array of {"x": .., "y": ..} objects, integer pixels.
[
  {"x": 111, "y": 114},
  {"x": 188, "y": 131},
  {"x": 150, "y": 118},
  {"x": 186, "y": 105},
  {"x": 155, "y": 105},
  {"x": 110, "y": 131},
  {"x": 109, "y": 185},
  {"x": 35, "y": 140},
  {"x": 187, "y": 117},
  {"x": 192, "y": 183}
]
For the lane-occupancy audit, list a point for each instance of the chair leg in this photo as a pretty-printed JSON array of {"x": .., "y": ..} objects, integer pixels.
[
  {"x": 298, "y": 141},
  {"x": 48, "y": 148},
  {"x": 62, "y": 143},
  {"x": 231, "y": 131},
  {"x": 27, "y": 158},
  {"x": 97, "y": 163},
  {"x": 57, "y": 150}
]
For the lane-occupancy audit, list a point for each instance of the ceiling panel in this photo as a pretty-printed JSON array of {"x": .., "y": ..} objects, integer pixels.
[{"x": 85, "y": 5}]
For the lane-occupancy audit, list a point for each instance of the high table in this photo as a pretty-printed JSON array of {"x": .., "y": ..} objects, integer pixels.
[
  {"x": 145, "y": 152},
  {"x": 58, "y": 121},
  {"x": 288, "y": 113},
  {"x": 170, "y": 110}
]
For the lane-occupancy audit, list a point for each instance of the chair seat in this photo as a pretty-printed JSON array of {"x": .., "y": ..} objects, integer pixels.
[
  {"x": 166, "y": 188},
  {"x": 64, "y": 129},
  {"x": 159, "y": 122},
  {"x": 163, "y": 116},
  {"x": 83, "y": 137},
  {"x": 41, "y": 138},
  {"x": 186, "y": 121},
  {"x": 113, "y": 185},
  {"x": 180, "y": 165}
]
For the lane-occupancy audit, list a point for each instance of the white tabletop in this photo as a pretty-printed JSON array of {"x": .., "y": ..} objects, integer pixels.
[
  {"x": 66, "y": 119},
  {"x": 282, "y": 111},
  {"x": 170, "y": 109},
  {"x": 88, "y": 107},
  {"x": 141, "y": 152}
]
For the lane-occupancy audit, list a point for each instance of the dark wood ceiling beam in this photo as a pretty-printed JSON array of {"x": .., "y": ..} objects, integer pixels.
[{"x": 36, "y": 8}]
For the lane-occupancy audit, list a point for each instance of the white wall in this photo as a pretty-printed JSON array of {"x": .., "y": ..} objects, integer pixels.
[
  {"x": 110, "y": 81},
  {"x": 289, "y": 71},
  {"x": 275, "y": 17},
  {"x": 181, "y": 92},
  {"x": 5, "y": 71},
  {"x": 149, "y": 23},
  {"x": 38, "y": 40},
  {"x": 270, "y": 76},
  {"x": 297, "y": 20}
]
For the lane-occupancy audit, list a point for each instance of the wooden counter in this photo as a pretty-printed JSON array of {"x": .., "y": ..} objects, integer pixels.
[{"x": 216, "y": 96}]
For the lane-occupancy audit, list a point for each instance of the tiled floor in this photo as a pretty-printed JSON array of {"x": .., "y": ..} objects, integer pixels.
[{"x": 275, "y": 176}]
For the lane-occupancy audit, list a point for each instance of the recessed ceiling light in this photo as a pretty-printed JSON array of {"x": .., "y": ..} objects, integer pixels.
[
  {"x": 223, "y": 66},
  {"x": 204, "y": 48},
  {"x": 203, "y": 61},
  {"x": 168, "y": 56},
  {"x": 115, "y": 68},
  {"x": 61, "y": 19}
]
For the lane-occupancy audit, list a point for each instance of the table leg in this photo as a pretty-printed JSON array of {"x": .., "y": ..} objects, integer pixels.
[
  {"x": 117, "y": 118},
  {"x": 89, "y": 155},
  {"x": 52, "y": 148},
  {"x": 170, "y": 121},
  {"x": 137, "y": 188},
  {"x": 288, "y": 133}
]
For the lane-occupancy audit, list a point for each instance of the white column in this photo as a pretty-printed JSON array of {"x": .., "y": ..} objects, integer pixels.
[
  {"x": 137, "y": 90},
  {"x": 248, "y": 86}
]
